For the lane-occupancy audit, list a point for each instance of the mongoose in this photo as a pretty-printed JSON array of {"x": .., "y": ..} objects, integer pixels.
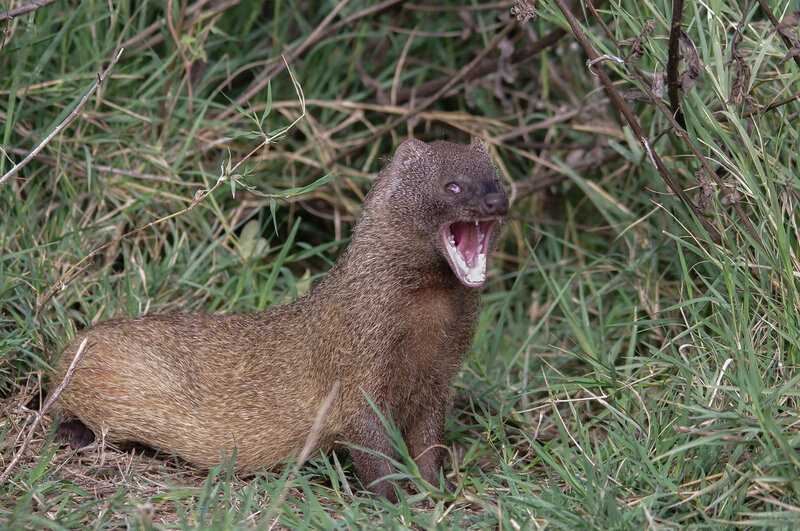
[{"x": 392, "y": 320}]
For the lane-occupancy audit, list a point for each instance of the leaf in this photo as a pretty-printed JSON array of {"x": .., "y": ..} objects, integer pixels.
[
  {"x": 292, "y": 192},
  {"x": 705, "y": 192},
  {"x": 269, "y": 105},
  {"x": 524, "y": 10},
  {"x": 659, "y": 81},
  {"x": 250, "y": 243},
  {"x": 637, "y": 43},
  {"x": 793, "y": 52},
  {"x": 272, "y": 207},
  {"x": 739, "y": 87},
  {"x": 694, "y": 67}
]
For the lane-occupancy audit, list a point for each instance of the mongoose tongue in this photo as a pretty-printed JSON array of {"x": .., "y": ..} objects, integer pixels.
[{"x": 467, "y": 243}]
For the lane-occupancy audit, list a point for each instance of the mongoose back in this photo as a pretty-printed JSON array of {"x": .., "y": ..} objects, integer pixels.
[{"x": 393, "y": 319}]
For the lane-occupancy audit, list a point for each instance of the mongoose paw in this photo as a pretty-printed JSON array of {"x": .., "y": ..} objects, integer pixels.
[{"x": 75, "y": 432}]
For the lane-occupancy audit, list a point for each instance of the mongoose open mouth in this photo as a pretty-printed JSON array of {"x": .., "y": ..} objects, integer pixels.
[{"x": 467, "y": 244}]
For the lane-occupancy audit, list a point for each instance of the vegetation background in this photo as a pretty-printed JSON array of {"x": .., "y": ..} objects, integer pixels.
[{"x": 636, "y": 363}]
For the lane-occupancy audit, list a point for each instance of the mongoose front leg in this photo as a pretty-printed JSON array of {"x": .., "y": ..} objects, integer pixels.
[
  {"x": 371, "y": 467},
  {"x": 425, "y": 441}
]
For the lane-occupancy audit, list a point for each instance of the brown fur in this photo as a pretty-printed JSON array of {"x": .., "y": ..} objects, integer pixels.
[{"x": 390, "y": 319}]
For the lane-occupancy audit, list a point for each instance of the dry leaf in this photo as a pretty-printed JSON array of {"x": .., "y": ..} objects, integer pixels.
[
  {"x": 659, "y": 81},
  {"x": 524, "y": 10},
  {"x": 637, "y": 43},
  {"x": 694, "y": 68},
  {"x": 705, "y": 193},
  {"x": 794, "y": 51}
]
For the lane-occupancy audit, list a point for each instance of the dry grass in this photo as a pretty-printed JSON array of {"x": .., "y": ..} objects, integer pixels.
[{"x": 635, "y": 364}]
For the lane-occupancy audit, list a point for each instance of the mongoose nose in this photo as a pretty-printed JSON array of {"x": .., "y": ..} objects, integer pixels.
[{"x": 495, "y": 204}]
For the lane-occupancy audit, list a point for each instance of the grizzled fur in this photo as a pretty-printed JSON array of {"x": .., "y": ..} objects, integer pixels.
[{"x": 390, "y": 318}]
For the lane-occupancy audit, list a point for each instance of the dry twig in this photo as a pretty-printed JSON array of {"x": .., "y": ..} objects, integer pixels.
[
  {"x": 262, "y": 83},
  {"x": 620, "y": 104},
  {"x": 731, "y": 193},
  {"x": 26, "y": 8},
  {"x": 673, "y": 57},
  {"x": 77, "y": 269},
  {"x": 82, "y": 350},
  {"x": 60, "y": 127},
  {"x": 779, "y": 28},
  {"x": 415, "y": 111},
  {"x": 187, "y": 64}
]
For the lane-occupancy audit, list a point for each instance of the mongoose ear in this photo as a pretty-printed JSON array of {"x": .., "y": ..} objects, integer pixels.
[
  {"x": 479, "y": 144},
  {"x": 412, "y": 152}
]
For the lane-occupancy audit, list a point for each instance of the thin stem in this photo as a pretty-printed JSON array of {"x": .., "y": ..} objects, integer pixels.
[
  {"x": 673, "y": 58},
  {"x": 620, "y": 104},
  {"x": 60, "y": 127},
  {"x": 79, "y": 355},
  {"x": 27, "y": 8},
  {"x": 778, "y": 27}
]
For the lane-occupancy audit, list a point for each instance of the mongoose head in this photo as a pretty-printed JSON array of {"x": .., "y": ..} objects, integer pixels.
[{"x": 452, "y": 196}]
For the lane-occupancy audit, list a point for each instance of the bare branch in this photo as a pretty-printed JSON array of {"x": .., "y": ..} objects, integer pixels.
[
  {"x": 673, "y": 52},
  {"x": 620, "y": 104},
  {"x": 82, "y": 350},
  {"x": 26, "y": 8},
  {"x": 227, "y": 173},
  {"x": 60, "y": 127},
  {"x": 779, "y": 28},
  {"x": 415, "y": 111}
]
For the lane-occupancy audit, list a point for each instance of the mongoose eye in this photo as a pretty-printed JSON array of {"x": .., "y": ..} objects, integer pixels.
[{"x": 452, "y": 188}]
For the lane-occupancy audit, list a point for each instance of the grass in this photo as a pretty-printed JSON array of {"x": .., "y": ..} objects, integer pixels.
[{"x": 628, "y": 371}]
